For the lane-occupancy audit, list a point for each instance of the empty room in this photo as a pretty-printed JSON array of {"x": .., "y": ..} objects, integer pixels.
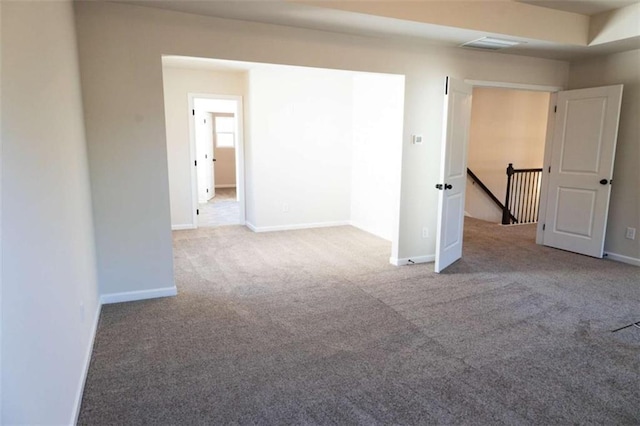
[{"x": 365, "y": 278}]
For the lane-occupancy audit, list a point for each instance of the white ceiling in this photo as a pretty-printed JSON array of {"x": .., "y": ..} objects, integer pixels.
[{"x": 297, "y": 14}]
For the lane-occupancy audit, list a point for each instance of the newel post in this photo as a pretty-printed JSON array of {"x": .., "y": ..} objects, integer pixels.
[{"x": 506, "y": 213}]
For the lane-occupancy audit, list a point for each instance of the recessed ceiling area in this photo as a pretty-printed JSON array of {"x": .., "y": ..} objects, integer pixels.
[{"x": 536, "y": 25}]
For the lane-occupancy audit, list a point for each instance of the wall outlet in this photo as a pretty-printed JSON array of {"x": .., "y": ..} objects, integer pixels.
[
  {"x": 631, "y": 233},
  {"x": 285, "y": 207},
  {"x": 417, "y": 139},
  {"x": 425, "y": 232}
]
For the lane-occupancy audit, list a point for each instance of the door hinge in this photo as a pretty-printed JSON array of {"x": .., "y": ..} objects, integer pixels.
[
  {"x": 197, "y": 212},
  {"x": 195, "y": 163},
  {"x": 193, "y": 112},
  {"x": 544, "y": 226},
  {"x": 207, "y": 190},
  {"x": 446, "y": 86},
  {"x": 555, "y": 108},
  {"x": 549, "y": 169}
]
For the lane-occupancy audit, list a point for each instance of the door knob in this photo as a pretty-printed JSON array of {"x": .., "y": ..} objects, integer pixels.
[
  {"x": 447, "y": 186},
  {"x": 604, "y": 181}
]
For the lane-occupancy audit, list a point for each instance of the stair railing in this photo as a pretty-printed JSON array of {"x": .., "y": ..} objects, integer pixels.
[
  {"x": 487, "y": 191},
  {"x": 522, "y": 200}
]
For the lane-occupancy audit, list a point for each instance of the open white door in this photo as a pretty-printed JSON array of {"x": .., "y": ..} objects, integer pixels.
[
  {"x": 453, "y": 173},
  {"x": 580, "y": 176},
  {"x": 204, "y": 154}
]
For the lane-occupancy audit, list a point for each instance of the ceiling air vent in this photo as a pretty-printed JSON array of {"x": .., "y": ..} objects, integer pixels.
[{"x": 490, "y": 43}]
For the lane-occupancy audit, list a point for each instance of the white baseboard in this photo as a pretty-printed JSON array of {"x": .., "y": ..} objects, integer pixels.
[
  {"x": 130, "y": 296},
  {"x": 226, "y": 185},
  {"x": 106, "y": 299},
  {"x": 183, "y": 227},
  {"x": 85, "y": 370},
  {"x": 411, "y": 260},
  {"x": 623, "y": 259},
  {"x": 297, "y": 226}
]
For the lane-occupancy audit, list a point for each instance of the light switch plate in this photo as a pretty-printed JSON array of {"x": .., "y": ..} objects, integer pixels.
[{"x": 631, "y": 233}]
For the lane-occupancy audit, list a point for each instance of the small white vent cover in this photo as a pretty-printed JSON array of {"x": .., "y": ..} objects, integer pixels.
[{"x": 491, "y": 43}]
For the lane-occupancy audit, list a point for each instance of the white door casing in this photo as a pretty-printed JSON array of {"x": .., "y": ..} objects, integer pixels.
[
  {"x": 453, "y": 173},
  {"x": 581, "y": 169}
]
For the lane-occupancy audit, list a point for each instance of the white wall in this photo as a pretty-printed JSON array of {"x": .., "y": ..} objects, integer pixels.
[
  {"x": 120, "y": 48},
  {"x": 49, "y": 269},
  {"x": 378, "y": 111},
  {"x": 300, "y": 149},
  {"x": 225, "y": 167},
  {"x": 307, "y": 122},
  {"x": 507, "y": 126},
  {"x": 1, "y": 137},
  {"x": 624, "y": 210},
  {"x": 177, "y": 84}
]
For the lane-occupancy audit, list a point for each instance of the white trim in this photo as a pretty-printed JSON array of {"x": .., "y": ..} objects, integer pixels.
[
  {"x": 624, "y": 259},
  {"x": 514, "y": 86},
  {"x": 297, "y": 226},
  {"x": 183, "y": 227},
  {"x": 192, "y": 159},
  {"x": 226, "y": 185},
  {"x": 546, "y": 164},
  {"x": 411, "y": 260},
  {"x": 130, "y": 296},
  {"x": 85, "y": 370}
]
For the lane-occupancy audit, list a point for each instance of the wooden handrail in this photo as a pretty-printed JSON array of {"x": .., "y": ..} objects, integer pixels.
[{"x": 477, "y": 180}]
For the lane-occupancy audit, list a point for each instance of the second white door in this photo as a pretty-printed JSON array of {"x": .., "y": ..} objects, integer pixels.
[{"x": 581, "y": 171}]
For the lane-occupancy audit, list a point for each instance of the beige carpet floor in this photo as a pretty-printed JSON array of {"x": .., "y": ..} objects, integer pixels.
[{"x": 315, "y": 327}]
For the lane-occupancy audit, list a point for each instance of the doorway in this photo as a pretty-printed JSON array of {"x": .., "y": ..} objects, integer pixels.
[
  {"x": 217, "y": 150},
  {"x": 453, "y": 173},
  {"x": 578, "y": 159},
  {"x": 508, "y": 127}
]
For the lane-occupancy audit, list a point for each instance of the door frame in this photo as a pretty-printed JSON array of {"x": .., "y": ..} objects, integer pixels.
[
  {"x": 239, "y": 157},
  {"x": 548, "y": 143}
]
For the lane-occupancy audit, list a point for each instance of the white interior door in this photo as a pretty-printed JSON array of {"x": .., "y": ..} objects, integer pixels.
[
  {"x": 204, "y": 154},
  {"x": 580, "y": 177},
  {"x": 453, "y": 173},
  {"x": 210, "y": 157}
]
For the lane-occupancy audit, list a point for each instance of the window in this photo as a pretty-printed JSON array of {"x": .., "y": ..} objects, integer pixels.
[{"x": 225, "y": 132}]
